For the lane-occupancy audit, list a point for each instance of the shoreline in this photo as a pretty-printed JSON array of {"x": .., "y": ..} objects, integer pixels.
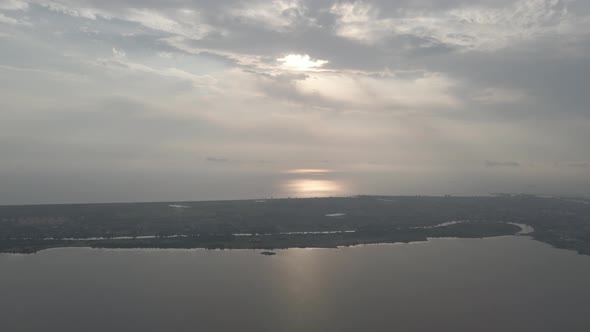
[{"x": 284, "y": 240}]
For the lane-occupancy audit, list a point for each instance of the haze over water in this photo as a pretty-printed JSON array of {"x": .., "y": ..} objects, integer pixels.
[{"x": 495, "y": 284}]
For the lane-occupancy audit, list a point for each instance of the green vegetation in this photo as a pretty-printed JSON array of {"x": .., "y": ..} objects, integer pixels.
[{"x": 561, "y": 222}]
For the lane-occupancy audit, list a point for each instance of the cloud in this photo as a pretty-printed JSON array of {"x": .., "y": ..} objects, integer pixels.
[
  {"x": 166, "y": 55},
  {"x": 119, "y": 61},
  {"x": 282, "y": 15},
  {"x": 13, "y": 5},
  {"x": 118, "y": 54},
  {"x": 500, "y": 96},
  {"x": 468, "y": 27},
  {"x": 81, "y": 12},
  {"x": 188, "y": 25},
  {"x": 52, "y": 74},
  {"x": 13, "y": 21},
  {"x": 359, "y": 21},
  {"x": 390, "y": 92}
]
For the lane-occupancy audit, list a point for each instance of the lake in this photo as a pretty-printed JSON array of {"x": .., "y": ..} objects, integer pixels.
[{"x": 497, "y": 284}]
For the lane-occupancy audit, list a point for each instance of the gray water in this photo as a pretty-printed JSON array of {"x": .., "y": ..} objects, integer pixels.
[{"x": 496, "y": 284}]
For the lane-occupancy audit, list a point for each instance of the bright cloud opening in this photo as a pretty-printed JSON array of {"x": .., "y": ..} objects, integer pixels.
[{"x": 300, "y": 62}]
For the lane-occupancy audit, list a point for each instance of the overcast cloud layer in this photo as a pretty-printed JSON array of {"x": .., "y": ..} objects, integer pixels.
[{"x": 128, "y": 100}]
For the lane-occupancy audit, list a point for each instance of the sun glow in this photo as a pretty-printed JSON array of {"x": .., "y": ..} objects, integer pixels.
[
  {"x": 301, "y": 62},
  {"x": 313, "y": 187}
]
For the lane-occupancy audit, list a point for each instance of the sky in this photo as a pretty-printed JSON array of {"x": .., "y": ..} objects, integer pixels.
[{"x": 128, "y": 100}]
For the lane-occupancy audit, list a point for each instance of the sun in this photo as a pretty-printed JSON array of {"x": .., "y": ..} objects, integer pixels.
[{"x": 300, "y": 62}]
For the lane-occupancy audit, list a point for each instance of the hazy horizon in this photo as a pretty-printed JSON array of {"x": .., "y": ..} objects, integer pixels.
[{"x": 128, "y": 100}]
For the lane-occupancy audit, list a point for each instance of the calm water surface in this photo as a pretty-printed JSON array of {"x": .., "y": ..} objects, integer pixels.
[{"x": 496, "y": 284}]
